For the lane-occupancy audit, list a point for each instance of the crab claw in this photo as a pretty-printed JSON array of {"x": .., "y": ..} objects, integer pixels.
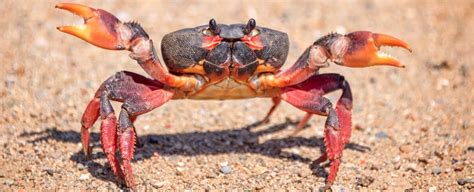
[
  {"x": 99, "y": 28},
  {"x": 364, "y": 49}
]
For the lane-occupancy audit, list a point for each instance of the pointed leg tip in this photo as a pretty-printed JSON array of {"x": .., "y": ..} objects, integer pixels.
[{"x": 60, "y": 5}]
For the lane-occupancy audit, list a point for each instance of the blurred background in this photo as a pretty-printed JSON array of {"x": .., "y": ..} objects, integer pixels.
[{"x": 412, "y": 127}]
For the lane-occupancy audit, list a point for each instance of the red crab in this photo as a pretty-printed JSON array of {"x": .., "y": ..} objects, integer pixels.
[{"x": 218, "y": 61}]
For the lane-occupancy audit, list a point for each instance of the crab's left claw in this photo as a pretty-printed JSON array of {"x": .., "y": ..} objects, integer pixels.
[
  {"x": 99, "y": 28},
  {"x": 362, "y": 49}
]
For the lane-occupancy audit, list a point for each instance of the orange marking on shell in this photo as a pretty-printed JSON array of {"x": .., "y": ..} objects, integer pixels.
[
  {"x": 254, "y": 42},
  {"x": 210, "y": 42}
]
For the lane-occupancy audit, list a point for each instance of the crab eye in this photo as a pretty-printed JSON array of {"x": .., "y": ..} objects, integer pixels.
[
  {"x": 250, "y": 28},
  {"x": 212, "y": 30}
]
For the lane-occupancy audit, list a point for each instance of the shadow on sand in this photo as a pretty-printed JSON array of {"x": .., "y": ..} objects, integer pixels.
[{"x": 238, "y": 140}]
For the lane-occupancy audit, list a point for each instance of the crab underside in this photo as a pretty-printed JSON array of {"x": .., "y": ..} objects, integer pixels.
[{"x": 217, "y": 61}]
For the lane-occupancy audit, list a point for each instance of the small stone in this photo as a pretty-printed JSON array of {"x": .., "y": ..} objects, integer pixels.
[
  {"x": 465, "y": 124},
  {"x": 375, "y": 167},
  {"x": 381, "y": 135},
  {"x": 338, "y": 188},
  {"x": 259, "y": 187},
  {"x": 432, "y": 189},
  {"x": 470, "y": 148},
  {"x": 423, "y": 160},
  {"x": 84, "y": 177},
  {"x": 49, "y": 171},
  {"x": 396, "y": 159},
  {"x": 436, "y": 171},
  {"x": 81, "y": 166},
  {"x": 8, "y": 182},
  {"x": 158, "y": 184},
  {"x": 458, "y": 167},
  {"x": 464, "y": 181},
  {"x": 439, "y": 154},
  {"x": 260, "y": 169},
  {"x": 226, "y": 169},
  {"x": 448, "y": 170},
  {"x": 411, "y": 167},
  {"x": 359, "y": 127},
  {"x": 397, "y": 166},
  {"x": 211, "y": 175},
  {"x": 99, "y": 171},
  {"x": 405, "y": 148},
  {"x": 304, "y": 172},
  {"x": 180, "y": 170},
  {"x": 364, "y": 180}
]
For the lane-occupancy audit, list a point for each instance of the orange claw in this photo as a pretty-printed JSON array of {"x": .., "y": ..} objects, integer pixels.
[
  {"x": 364, "y": 49},
  {"x": 99, "y": 26}
]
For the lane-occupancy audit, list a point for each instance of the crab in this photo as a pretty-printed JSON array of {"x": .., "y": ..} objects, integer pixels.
[{"x": 219, "y": 61}]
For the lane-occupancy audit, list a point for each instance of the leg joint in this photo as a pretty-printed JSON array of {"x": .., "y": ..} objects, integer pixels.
[{"x": 124, "y": 120}]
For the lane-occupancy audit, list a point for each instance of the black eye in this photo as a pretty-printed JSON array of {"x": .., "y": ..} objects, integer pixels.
[
  {"x": 213, "y": 29},
  {"x": 250, "y": 28}
]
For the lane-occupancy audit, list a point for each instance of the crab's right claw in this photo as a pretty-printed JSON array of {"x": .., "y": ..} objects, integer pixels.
[
  {"x": 364, "y": 49},
  {"x": 99, "y": 28}
]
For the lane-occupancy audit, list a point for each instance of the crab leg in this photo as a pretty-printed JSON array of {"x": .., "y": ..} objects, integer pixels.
[
  {"x": 138, "y": 95},
  {"x": 104, "y": 30},
  {"x": 276, "y": 102},
  {"x": 302, "y": 123},
  {"x": 356, "y": 49},
  {"x": 307, "y": 96}
]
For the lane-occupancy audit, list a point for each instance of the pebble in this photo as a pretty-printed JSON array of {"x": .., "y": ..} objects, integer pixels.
[
  {"x": 8, "y": 182},
  {"x": 99, "y": 171},
  {"x": 359, "y": 127},
  {"x": 470, "y": 148},
  {"x": 465, "y": 124},
  {"x": 405, "y": 148},
  {"x": 432, "y": 189},
  {"x": 396, "y": 159},
  {"x": 49, "y": 171},
  {"x": 338, "y": 188},
  {"x": 211, "y": 175},
  {"x": 465, "y": 181},
  {"x": 84, "y": 177},
  {"x": 304, "y": 172},
  {"x": 226, "y": 169},
  {"x": 364, "y": 180},
  {"x": 260, "y": 169},
  {"x": 81, "y": 166},
  {"x": 436, "y": 170},
  {"x": 458, "y": 167},
  {"x": 158, "y": 184},
  {"x": 411, "y": 167},
  {"x": 180, "y": 170},
  {"x": 381, "y": 135}
]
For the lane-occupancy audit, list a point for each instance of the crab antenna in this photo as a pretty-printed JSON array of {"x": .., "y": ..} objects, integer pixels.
[
  {"x": 213, "y": 26},
  {"x": 250, "y": 25}
]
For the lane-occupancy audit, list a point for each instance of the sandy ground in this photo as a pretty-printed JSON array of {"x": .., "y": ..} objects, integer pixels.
[{"x": 413, "y": 127}]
